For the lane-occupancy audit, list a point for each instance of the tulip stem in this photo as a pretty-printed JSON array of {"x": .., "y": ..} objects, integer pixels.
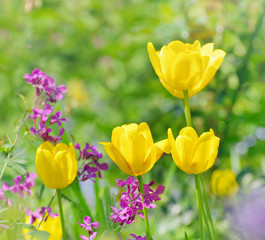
[
  {"x": 186, "y": 106},
  {"x": 206, "y": 204},
  {"x": 61, "y": 211},
  {"x": 200, "y": 205},
  {"x": 146, "y": 221}
]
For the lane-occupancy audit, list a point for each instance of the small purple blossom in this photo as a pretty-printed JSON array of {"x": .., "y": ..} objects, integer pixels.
[
  {"x": 42, "y": 114},
  {"x": 137, "y": 237},
  {"x": 45, "y": 85},
  {"x": 88, "y": 225},
  {"x": 19, "y": 187},
  {"x": 131, "y": 201},
  {"x": 57, "y": 118},
  {"x": 38, "y": 214},
  {"x": 93, "y": 168},
  {"x": 4, "y": 226},
  {"x": 59, "y": 91},
  {"x": 33, "y": 215}
]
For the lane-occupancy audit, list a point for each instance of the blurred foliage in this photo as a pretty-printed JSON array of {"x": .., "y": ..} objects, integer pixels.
[{"x": 98, "y": 50}]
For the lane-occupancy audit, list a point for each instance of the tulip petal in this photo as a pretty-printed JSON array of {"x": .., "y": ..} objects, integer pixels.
[
  {"x": 153, "y": 157},
  {"x": 115, "y": 137},
  {"x": 164, "y": 146},
  {"x": 205, "y": 152},
  {"x": 167, "y": 57},
  {"x": 189, "y": 132},
  {"x": 145, "y": 131},
  {"x": 186, "y": 70},
  {"x": 174, "y": 150},
  {"x": 116, "y": 157},
  {"x": 154, "y": 58},
  {"x": 207, "y": 49},
  {"x": 47, "y": 169}
]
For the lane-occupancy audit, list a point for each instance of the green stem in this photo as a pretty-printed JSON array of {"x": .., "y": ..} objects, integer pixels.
[
  {"x": 61, "y": 211},
  {"x": 200, "y": 206},
  {"x": 186, "y": 106},
  {"x": 206, "y": 205},
  {"x": 146, "y": 221},
  {"x": 49, "y": 204}
]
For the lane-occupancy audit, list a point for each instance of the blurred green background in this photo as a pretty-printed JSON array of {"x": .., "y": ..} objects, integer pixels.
[{"x": 98, "y": 50}]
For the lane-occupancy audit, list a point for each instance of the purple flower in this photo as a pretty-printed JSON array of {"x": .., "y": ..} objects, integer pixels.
[
  {"x": 93, "y": 168},
  {"x": 33, "y": 215},
  {"x": 248, "y": 218},
  {"x": 57, "y": 118},
  {"x": 19, "y": 187},
  {"x": 59, "y": 91},
  {"x": 46, "y": 91},
  {"x": 38, "y": 214},
  {"x": 4, "y": 226},
  {"x": 88, "y": 225},
  {"x": 137, "y": 237},
  {"x": 42, "y": 114},
  {"x": 131, "y": 201},
  {"x": 34, "y": 79}
]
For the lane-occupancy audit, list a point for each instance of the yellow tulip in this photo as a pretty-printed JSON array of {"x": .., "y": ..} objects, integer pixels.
[
  {"x": 132, "y": 148},
  {"x": 223, "y": 183},
  {"x": 56, "y": 165},
  {"x": 182, "y": 66},
  {"x": 52, "y": 225},
  {"x": 193, "y": 154}
]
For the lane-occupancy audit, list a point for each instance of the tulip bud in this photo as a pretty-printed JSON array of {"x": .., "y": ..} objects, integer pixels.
[
  {"x": 182, "y": 66},
  {"x": 52, "y": 225},
  {"x": 56, "y": 165},
  {"x": 223, "y": 183},
  {"x": 193, "y": 154},
  {"x": 132, "y": 148}
]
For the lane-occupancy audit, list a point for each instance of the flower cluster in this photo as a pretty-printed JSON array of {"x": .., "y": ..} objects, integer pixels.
[
  {"x": 91, "y": 169},
  {"x": 46, "y": 91},
  {"x": 18, "y": 187},
  {"x": 45, "y": 85},
  {"x": 44, "y": 220},
  {"x": 38, "y": 214},
  {"x": 132, "y": 202},
  {"x": 88, "y": 225}
]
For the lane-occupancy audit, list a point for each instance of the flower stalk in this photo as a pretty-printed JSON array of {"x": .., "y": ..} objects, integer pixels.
[
  {"x": 61, "y": 211},
  {"x": 146, "y": 221},
  {"x": 186, "y": 106},
  {"x": 205, "y": 218}
]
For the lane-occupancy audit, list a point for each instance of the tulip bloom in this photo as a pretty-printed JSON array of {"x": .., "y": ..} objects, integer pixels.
[
  {"x": 182, "y": 66},
  {"x": 52, "y": 225},
  {"x": 56, "y": 165},
  {"x": 193, "y": 154},
  {"x": 132, "y": 148},
  {"x": 223, "y": 183}
]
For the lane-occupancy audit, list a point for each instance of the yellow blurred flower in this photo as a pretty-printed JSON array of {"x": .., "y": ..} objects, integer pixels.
[
  {"x": 193, "y": 154},
  {"x": 77, "y": 93},
  {"x": 52, "y": 225},
  {"x": 182, "y": 66},
  {"x": 132, "y": 148},
  {"x": 56, "y": 165},
  {"x": 223, "y": 183}
]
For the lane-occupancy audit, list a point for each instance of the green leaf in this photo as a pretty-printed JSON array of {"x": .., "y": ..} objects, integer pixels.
[
  {"x": 70, "y": 200},
  {"x": 26, "y": 225},
  {"x": 6, "y": 148},
  {"x": 20, "y": 160},
  {"x": 42, "y": 190},
  {"x": 2, "y": 210},
  {"x": 186, "y": 235},
  {"x": 15, "y": 166},
  {"x": 40, "y": 235}
]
